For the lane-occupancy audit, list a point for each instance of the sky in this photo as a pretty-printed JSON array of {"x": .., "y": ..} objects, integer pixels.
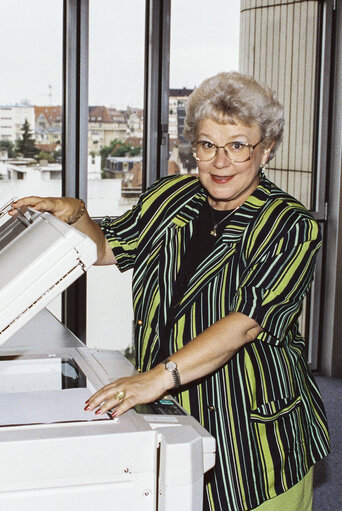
[{"x": 204, "y": 41}]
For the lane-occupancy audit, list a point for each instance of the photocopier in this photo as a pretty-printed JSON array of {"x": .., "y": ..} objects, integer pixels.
[{"x": 53, "y": 455}]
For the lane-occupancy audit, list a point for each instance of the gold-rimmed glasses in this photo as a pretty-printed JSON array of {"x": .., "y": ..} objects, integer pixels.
[{"x": 236, "y": 152}]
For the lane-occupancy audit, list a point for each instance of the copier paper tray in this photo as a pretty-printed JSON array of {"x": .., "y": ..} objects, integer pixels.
[
  {"x": 56, "y": 456},
  {"x": 40, "y": 256}
]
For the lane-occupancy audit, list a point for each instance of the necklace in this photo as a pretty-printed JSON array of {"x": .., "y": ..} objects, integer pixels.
[{"x": 213, "y": 231}]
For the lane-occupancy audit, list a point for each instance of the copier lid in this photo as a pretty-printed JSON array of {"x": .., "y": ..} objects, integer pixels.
[{"x": 40, "y": 256}]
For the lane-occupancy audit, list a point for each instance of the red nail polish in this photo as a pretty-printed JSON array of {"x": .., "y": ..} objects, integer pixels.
[
  {"x": 86, "y": 401},
  {"x": 114, "y": 414},
  {"x": 86, "y": 408},
  {"x": 98, "y": 412}
]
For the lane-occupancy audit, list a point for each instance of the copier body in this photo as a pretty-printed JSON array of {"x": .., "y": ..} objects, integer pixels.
[{"x": 56, "y": 456}]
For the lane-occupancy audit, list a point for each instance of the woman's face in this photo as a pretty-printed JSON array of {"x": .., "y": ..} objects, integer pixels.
[{"x": 229, "y": 184}]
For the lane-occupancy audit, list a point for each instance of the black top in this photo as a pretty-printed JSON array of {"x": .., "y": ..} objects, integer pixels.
[{"x": 200, "y": 246}]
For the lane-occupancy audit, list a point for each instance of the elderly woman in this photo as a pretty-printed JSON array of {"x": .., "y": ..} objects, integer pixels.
[{"x": 221, "y": 264}]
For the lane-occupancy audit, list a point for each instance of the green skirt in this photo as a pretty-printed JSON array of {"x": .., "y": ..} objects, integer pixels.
[{"x": 297, "y": 498}]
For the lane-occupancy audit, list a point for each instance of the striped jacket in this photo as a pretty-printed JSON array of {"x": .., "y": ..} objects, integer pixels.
[{"x": 263, "y": 406}]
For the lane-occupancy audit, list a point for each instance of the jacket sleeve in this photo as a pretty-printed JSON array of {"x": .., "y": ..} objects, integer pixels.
[
  {"x": 122, "y": 234},
  {"x": 273, "y": 287},
  {"x": 129, "y": 233}
]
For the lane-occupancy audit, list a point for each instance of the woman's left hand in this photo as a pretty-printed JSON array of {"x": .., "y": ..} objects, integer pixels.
[{"x": 127, "y": 392}]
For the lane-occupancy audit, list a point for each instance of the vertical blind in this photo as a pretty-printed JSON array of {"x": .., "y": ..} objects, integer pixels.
[{"x": 278, "y": 46}]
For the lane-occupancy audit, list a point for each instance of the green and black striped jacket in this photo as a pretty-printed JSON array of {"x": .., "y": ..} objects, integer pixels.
[{"x": 263, "y": 406}]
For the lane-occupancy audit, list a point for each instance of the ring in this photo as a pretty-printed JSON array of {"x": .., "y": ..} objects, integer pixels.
[{"x": 119, "y": 396}]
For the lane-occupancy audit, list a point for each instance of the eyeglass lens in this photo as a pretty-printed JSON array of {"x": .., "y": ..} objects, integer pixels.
[{"x": 236, "y": 152}]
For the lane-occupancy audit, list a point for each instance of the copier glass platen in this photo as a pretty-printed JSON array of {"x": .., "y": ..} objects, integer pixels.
[{"x": 53, "y": 454}]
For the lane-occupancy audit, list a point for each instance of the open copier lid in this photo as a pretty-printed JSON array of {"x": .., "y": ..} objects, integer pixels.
[
  {"x": 54, "y": 455},
  {"x": 40, "y": 256}
]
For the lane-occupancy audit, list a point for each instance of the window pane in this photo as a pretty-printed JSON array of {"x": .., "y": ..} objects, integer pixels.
[
  {"x": 30, "y": 95},
  {"x": 209, "y": 47},
  {"x": 30, "y": 100},
  {"x": 116, "y": 68}
]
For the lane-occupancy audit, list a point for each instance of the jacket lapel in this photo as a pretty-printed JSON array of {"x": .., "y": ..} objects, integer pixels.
[
  {"x": 226, "y": 246},
  {"x": 175, "y": 241}
]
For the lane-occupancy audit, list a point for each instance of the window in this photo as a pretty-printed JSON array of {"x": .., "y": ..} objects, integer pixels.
[
  {"x": 116, "y": 61},
  {"x": 31, "y": 81},
  {"x": 214, "y": 48},
  {"x": 114, "y": 184}
]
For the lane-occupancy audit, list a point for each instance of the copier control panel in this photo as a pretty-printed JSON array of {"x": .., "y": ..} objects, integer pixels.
[{"x": 161, "y": 407}]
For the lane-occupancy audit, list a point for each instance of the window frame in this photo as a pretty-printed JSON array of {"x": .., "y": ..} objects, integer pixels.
[
  {"x": 75, "y": 138},
  {"x": 75, "y": 118}
]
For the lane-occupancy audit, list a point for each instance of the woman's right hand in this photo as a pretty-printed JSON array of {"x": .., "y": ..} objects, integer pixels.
[
  {"x": 66, "y": 209},
  {"x": 71, "y": 211}
]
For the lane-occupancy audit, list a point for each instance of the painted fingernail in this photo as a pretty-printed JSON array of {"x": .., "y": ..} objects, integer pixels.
[
  {"x": 86, "y": 408},
  {"x": 98, "y": 412},
  {"x": 86, "y": 401},
  {"x": 114, "y": 414}
]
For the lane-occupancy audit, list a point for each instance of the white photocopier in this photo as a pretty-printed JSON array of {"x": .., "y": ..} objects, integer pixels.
[{"x": 53, "y": 455}]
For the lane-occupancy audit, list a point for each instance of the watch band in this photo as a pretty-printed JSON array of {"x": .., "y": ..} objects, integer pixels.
[{"x": 171, "y": 366}]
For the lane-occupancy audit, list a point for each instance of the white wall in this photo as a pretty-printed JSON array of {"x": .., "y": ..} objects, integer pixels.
[
  {"x": 32, "y": 184},
  {"x": 109, "y": 299},
  {"x": 109, "y": 308},
  {"x": 11, "y": 120}
]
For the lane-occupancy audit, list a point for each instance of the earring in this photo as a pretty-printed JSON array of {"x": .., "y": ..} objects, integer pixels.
[{"x": 263, "y": 166}]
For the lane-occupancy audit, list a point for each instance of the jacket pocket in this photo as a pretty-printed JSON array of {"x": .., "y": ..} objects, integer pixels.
[
  {"x": 271, "y": 411},
  {"x": 278, "y": 442}
]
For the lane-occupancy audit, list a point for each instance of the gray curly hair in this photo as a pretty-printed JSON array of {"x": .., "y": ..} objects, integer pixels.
[{"x": 231, "y": 97}]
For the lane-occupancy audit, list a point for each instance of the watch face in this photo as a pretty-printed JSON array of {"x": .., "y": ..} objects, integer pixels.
[{"x": 170, "y": 365}]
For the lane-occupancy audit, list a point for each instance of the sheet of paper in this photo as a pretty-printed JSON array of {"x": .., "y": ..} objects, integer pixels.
[
  {"x": 45, "y": 407},
  {"x": 30, "y": 374}
]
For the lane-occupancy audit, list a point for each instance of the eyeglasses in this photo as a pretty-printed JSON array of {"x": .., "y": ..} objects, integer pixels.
[{"x": 236, "y": 152}]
